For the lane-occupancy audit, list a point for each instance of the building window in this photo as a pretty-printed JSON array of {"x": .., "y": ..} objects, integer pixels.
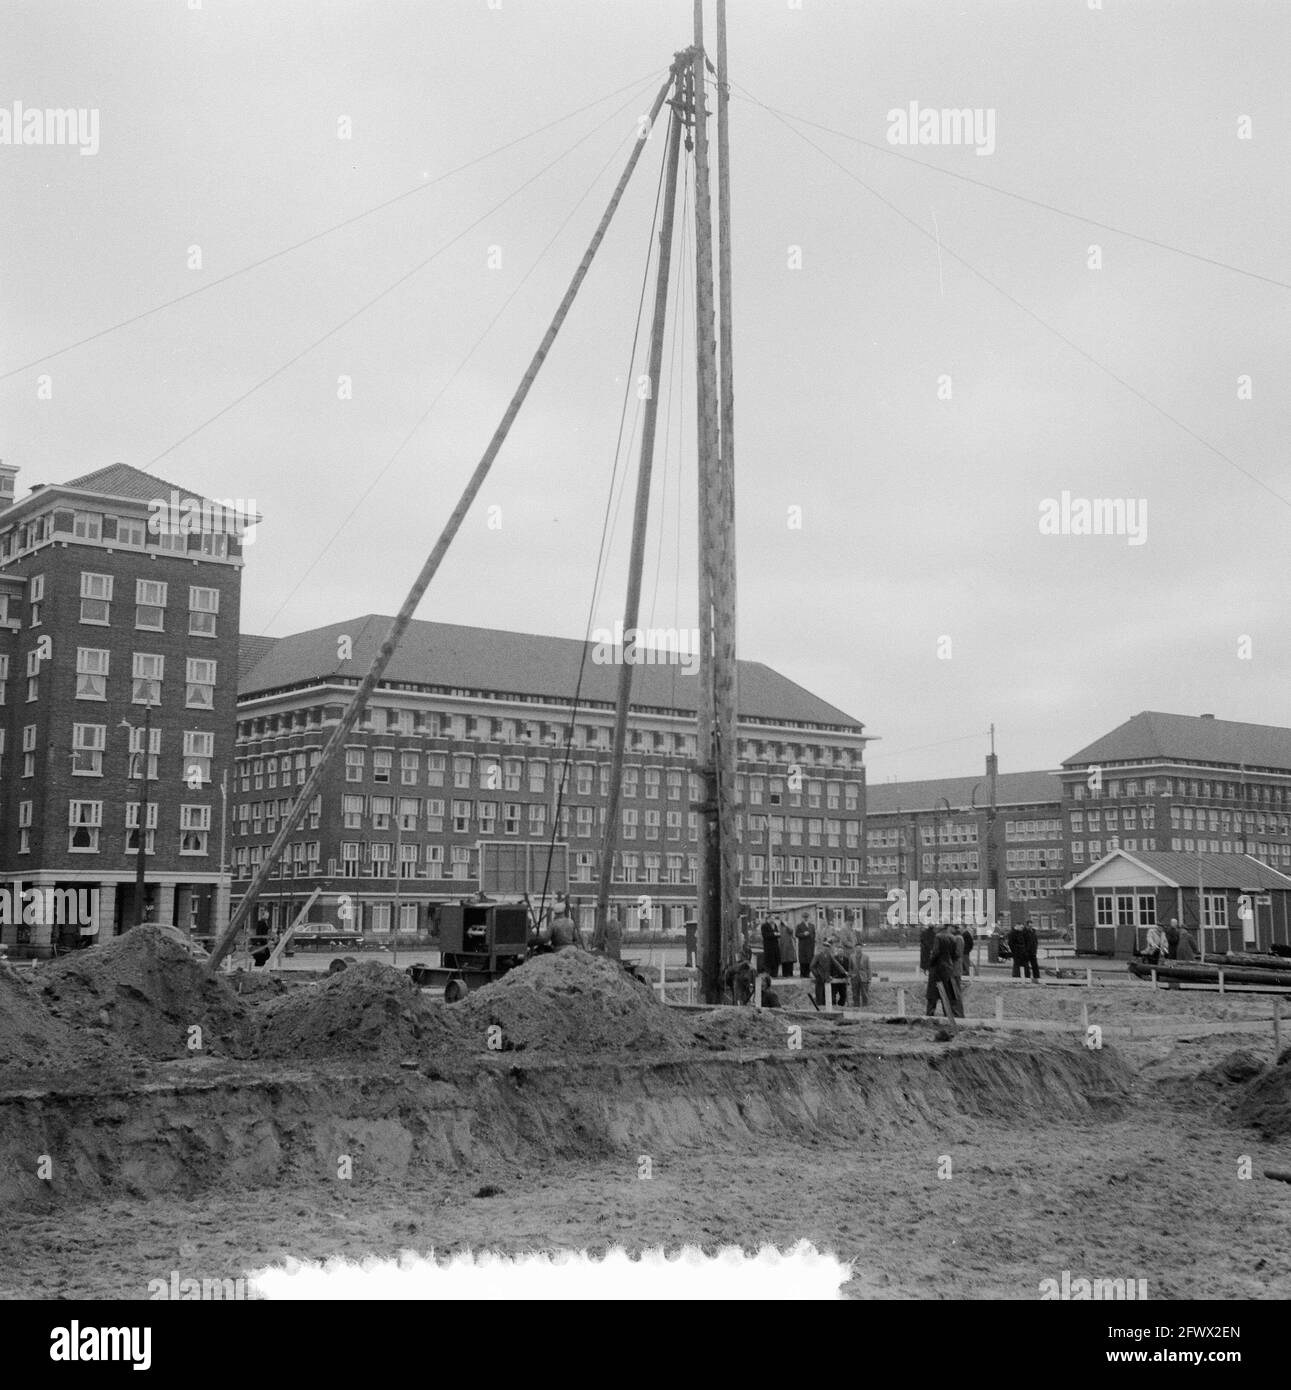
[
  {"x": 462, "y": 773},
  {"x": 200, "y": 683},
  {"x": 88, "y": 742},
  {"x": 96, "y": 597},
  {"x": 352, "y": 812},
  {"x": 148, "y": 672},
  {"x": 382, "y": 810},
  {"x": 131, "y": 532},
  {"x": 150, "y": 604},
  {"x": 24, "y": 827},
  {"x": 487, "y": 811},
  {"x": 409, "y": 768},
  {"x": 537, "y": 777},
  {"x": 29, "y": 750},
  {"x": 136, "y": 753},
  {"x": 1214, "y": 910},
  {"x": 199, "y": 749},
  {"x": 382, "y": 765},
  {"x": 461, "y": 817},
  {"x": 35, "y": 596},
  {"x": 91, "y": 673},
  {"x": 132, "y": 828},
  {"x": 203, "y": 611},
  {"x": 87, "y": 526},
  {"x": 215, "y": 544},
  {"x": 511, "y": 818},
  {"x": 537, "y": 820},
  {"x": 33, "y": 674},
  {"x": 354, "y": 764},
  {"x": 85, "y": 818},
  {"x": 349, "y": 859},
  {"x": 194, "y": 829},
  {"x": 435, "y": 763}
]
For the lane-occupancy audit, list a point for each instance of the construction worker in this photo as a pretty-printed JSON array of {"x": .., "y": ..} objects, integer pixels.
[
  {"x": 1172, "y": 939},
  {"x": 944, "y": 971},
  {"x": 691, "y": 928},
  {"x": 1018, "y": 949},
  {"x": 770, "y": 999},
  {"x": 564, "y": 932},
  {"x": 805, "y": 935},
  {"x": 1156, "y": 946},
  {"x": 859, "y": 970},
  {"x": 788, "y": 948},
  {"x": 1032, "y": 942}
]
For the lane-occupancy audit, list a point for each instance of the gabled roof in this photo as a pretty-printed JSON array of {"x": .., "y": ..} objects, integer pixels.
[
  {"x": 250, "y": 650},
  {"x": 1177, "y": 869},
  {"x": 1011, "y": 789},
  {"x": 514, "y": 663},
  {"x": 1151, "y": 735},
  {"x": 124, "y": 480}
]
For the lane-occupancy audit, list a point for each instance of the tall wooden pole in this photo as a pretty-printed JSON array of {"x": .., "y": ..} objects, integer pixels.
[
  {"x": 725, "y": 667},
  {"x": 710, "y": 539},
  {"x": 632, "y": 605},
  {"x": 433, "y": 561},
  {"x": 141, "y": 859}
]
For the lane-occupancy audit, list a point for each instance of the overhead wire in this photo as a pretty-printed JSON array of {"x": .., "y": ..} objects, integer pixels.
[
  {"x": 452, "y": 378},
  {"x": 889, "y": 150},
  {"x": 389, "y": 289},
  {"x": 1037, "y": 318},
  {"x": 208, "y": 285}
]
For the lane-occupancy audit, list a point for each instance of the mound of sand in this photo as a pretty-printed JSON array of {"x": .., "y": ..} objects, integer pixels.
[
  {"x": 1239, "y": 1065},
  {"x": 733, "y": 1029},
  {"x": 369, "y": 1010},
  {"x": 571, "y": 1001},
  {"x": 30, "y": 1036},
  {"x": 1265, "y": 1103},
  {"x": 147, "y": 989}
]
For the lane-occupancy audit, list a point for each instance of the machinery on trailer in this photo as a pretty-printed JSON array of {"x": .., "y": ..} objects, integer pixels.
[{"x": 478, "y": 943}]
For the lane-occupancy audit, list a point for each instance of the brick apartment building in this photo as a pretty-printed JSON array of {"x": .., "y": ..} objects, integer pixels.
[
  {"x": 106, "y": 607},
  {"x": 463, "y": 744},
  {"x": 940, "y": 834},
  {"x": 1181, "y": 783}
]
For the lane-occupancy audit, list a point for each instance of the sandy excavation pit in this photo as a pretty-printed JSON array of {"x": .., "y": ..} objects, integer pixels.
[{"x": 591, "y": 1071}]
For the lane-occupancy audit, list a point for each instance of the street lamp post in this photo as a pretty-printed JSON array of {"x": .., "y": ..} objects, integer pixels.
[{"x": 141, "y": 861}]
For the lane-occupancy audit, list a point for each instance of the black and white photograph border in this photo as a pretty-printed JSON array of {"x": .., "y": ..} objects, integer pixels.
[{"x": 700, "y": 705}]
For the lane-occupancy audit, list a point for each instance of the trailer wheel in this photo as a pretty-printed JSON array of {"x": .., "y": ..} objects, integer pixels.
[
  {"x": 336, "y": 966},
  {"x": 454, "y": 990}
]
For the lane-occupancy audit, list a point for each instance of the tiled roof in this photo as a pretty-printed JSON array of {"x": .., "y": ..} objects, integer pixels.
[
  {"x": 123, "y": 480},
  {"x": 250, "y": 650},
  {"x": 1180, "y": 870},
  {"x": 516, "y": 663},
  {"x": 1011, "y": 789},
  {"x": 1189, "y": 738}
]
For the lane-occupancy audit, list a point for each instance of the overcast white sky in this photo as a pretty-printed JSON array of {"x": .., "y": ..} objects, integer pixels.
[{"x": 218, "y": 128}]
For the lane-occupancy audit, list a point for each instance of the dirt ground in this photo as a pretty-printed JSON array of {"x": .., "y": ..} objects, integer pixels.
[
  {"x": 969, "y": 1201},
  {"x": 1154, "y": 1196}
]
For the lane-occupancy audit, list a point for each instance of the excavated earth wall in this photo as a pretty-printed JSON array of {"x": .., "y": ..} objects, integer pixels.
[{"x": 204, "y": 1124}]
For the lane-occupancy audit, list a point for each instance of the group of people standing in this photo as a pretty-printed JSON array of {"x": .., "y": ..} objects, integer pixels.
[
  {"x": 945, "y": 955},
  {"x": 833, "y": 960},
  {"x": 1168, "y": 943}
]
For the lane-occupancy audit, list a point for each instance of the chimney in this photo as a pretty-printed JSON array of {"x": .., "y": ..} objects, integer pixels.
[{"x": 8, "y": 472}]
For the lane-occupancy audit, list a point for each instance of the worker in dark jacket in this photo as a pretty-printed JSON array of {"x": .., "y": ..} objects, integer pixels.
[
  {"x": 944, "y": 965},
  {"x": 770, "y": 947},
  {"x": 1018, "y": 949},
  {"x": 1187, "y": 948},
  {"x": 805, "y": 935},
  {"x": 1032, "y": 948},
  {"x": 788, "y": 947},
  {"x": 827, "y": 969},
  {"x": 926, "y": 937}
]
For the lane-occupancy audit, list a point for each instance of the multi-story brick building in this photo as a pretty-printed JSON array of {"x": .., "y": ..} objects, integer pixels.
[
  {"x": 107, "y": 607},
  {"x": 464, "y": 743},
  {"x": 940, "y": 833},
  {"x": 1183, "y": 784}
]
